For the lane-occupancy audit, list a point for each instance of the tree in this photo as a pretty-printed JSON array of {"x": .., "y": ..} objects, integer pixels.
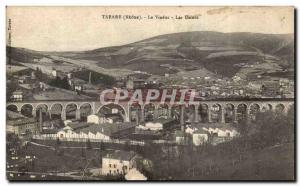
[
  {"x": 242, "y": 127},
  {"x": 272, "y": 127},
  {"x": 65, "y": 83},
  {"x": 61, "y": 83},
  {"x": 39, "y": 73}
]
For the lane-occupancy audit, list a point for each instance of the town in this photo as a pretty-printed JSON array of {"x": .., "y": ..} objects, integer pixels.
[{"x": 56, "y": 116}]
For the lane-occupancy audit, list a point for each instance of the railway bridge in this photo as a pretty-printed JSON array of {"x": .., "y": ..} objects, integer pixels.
[{"x": 200, "y": 111}]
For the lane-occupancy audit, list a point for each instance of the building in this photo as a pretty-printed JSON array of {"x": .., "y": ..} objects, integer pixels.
[
  {"x": 22, "y": 126},
  {"x": 135, "y": 84},
  {"x": 58, "y": 73},
  {"x": 118, "y": 163},
  {"x": 271, "y": 89},
  {"x": 76, "y": 84},
  {"x": 78, "y": 88},
  {"x": 104, "y": 131},
  {"x": 17, "y": 95},
  {"x": 200, "y": 137},
  {"x": 180, "y": 137},
  {"x": 100, "y": 118},
  {"x": 222, "y": 131},
  {"x": 53, "y": 124},
  {"x": 24, "y": 79},
  {"x": 136, "y": 81},
  {"x": 120, "y": 82},
  {"x": 190, "y": 130},
  {"x": 157, "y": 124},
  {"x": 96, "y": 118}
]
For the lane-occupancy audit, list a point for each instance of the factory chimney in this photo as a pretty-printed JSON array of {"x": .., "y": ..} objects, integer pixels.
[
  {"x": 40, "y": 121},
  {"x": 137, "y": 118},
  {"x": 90, "y": 78},
  {"x": 182, "y": 121}
]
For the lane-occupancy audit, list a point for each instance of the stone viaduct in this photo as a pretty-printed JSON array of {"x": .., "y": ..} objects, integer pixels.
[{"x": 221, "y": 106}]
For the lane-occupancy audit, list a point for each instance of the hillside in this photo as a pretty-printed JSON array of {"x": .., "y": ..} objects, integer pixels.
[{"x": 225, "y": 54}]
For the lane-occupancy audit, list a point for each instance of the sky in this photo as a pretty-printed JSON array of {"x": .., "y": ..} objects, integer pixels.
[{"x": 83, "y": 28}]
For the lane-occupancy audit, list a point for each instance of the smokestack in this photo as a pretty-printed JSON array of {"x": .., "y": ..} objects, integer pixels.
[
  {"x": 41, "y": 120},
  {"x": 182, "y": 121},
  {"x": 90, "y": 78},
  {"x": 137, "y": 118}
]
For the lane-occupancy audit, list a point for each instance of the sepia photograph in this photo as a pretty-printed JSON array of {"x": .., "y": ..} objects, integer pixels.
[{"x": 150, "y": 93}]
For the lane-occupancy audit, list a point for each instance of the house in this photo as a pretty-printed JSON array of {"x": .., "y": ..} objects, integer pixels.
[
  {"x": 77, "y": 84},
  {"x": 118, "y": 163},
  {"x": 78, "y": 88},
  {"x": 70, "y": 75},
  {"x": 52, "y": 124},
  {"x": 222, "y": 131},
  {"x": 135, "y": 84},
  {"x": 200, "y": 137},
  {"x": 105, "y": 118},
  {"x": 180, "y": 137},
  {"x": 17, "y": 95},
  {"x": 24, "y": 79},
  {"x": 236, "y": 79},
  {"x": 190, "y": 129},
  {"x": 22, "y": 126},
  {"x": 84, "y": 132},
  {"x": 96, "y": 118},
  {"x": 58, "y": 73},
  {"x": 158, "y": 124},
  {"x": 136, "y": 81}
]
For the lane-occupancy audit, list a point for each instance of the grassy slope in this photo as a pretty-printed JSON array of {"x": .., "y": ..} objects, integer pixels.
[
  {"x": 272, "y": 163},
  {"x": 184, "y": 50}
]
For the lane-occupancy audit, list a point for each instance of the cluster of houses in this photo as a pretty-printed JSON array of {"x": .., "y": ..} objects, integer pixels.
[
  {"x": 199, "y": 135},
  {"x": 99, "y": 128},
  {"x": 138, "y": 80},
  {"x": 20, "y": 125},
  {"x": 237, "y": 86},
  {"x": 28, "y": 83}
]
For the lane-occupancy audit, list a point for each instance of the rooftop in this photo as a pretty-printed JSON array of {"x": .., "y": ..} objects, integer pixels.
[
  {"x": 200, "y": 131},
  {"x": 13, "y": 115},
  {"x": 121, "y": 155},
  {"x": 21, "y": 121},
  {"x": 78, "y": 125},
  {"x": 107, "y": 129}
]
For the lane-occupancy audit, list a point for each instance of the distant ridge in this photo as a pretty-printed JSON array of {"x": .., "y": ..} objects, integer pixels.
[{"x": 225, "y": 54}]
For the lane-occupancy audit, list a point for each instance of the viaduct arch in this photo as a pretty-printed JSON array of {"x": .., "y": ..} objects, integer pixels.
[{"x": 95, "y": 106}]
